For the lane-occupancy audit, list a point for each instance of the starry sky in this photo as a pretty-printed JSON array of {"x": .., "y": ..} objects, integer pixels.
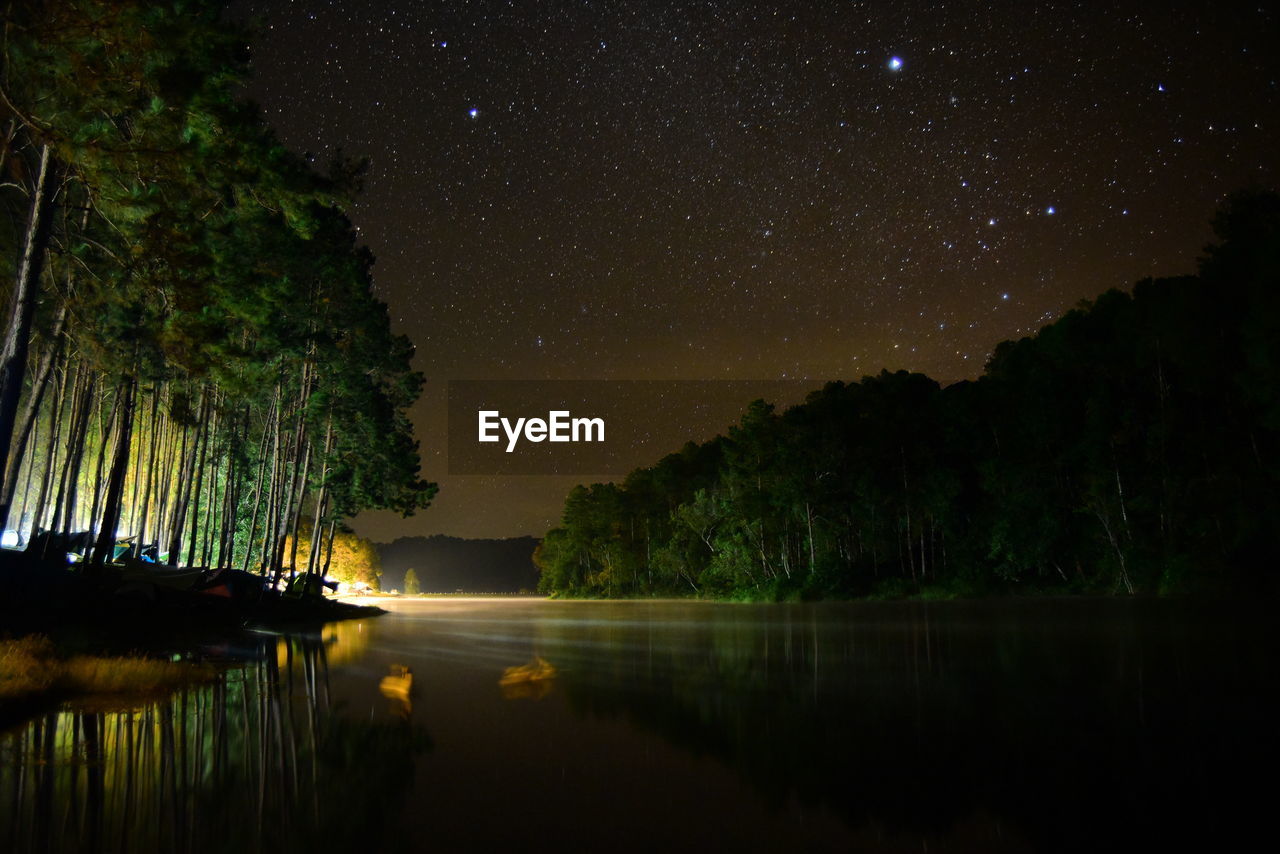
[{"x": 738, "y": 190}]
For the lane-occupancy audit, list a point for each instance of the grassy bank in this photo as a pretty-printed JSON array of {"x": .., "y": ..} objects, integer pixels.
[{"x": 31, "y": 668}]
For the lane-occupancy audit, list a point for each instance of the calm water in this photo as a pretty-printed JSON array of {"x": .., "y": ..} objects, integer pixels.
[{"x": 993, "y": 726}]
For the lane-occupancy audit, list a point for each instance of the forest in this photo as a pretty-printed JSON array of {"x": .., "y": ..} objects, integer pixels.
[
  {"x": 1130, "y": 447},
  {"x": 195, "y": 366}
]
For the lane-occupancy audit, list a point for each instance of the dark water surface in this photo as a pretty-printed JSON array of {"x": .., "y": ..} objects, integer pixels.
[{"x": 983, "y": 726}]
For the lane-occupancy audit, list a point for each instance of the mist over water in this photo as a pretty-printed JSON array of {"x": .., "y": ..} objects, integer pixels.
[{"x": 995, "y": 725}]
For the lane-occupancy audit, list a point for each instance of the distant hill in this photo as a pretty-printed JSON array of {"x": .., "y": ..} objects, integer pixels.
[{"x": 447, "y": 564}]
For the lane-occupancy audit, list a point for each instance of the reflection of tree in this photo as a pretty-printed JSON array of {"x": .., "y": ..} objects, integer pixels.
[
  {"x": 257, "y": 761},
  {"x": 344, "y": 642},
  {"x": 917, "y": 718}
]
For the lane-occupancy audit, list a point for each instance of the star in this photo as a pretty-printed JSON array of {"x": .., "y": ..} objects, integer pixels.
[{"x": 777, "y": 196}]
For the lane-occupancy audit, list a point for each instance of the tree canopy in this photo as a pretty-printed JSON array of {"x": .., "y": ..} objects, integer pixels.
[
  {"x": 1133, "y": 445},
  {"x": 194, "y": 352}
]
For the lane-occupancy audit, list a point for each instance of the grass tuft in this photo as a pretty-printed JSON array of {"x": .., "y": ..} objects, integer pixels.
[
  {"x": 30, "y": 667},
  {"x": 24, "y": 667}
]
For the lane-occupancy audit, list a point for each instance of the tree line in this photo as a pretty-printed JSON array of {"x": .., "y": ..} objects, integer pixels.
[
  {"x": 1131, "y": 446},
  {"x": 194, "y": 356}
]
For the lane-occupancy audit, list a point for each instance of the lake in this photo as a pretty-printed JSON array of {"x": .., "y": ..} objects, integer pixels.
[{"x": 1011, "y": 725}]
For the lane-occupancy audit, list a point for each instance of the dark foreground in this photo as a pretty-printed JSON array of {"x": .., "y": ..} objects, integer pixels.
[
  {"x": 995, "y": 726},
  {"x": 130, "y": 606}
]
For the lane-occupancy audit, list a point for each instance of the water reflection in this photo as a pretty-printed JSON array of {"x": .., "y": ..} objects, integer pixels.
[
  {"x": 530, "y": 681},
  {"x": 990, "y": 726},
  {"x": 256, "y": 761},
  {"x": 1051, "y": 724},
  {"x": 1044, "y": 725},
  {"x": 397, "y": 687}
]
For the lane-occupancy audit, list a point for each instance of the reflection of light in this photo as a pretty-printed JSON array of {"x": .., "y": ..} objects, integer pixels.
[
  {"x": 344, "y": 642},
  {"x": 10, "y": 540},
  {"x": 398, "y": 685},
  {"x": 530, "y": 681}
]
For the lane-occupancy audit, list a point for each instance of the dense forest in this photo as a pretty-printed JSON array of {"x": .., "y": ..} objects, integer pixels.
[
  {"x": 194, "y": 359},
  {"x": 1130, "y": 447}
]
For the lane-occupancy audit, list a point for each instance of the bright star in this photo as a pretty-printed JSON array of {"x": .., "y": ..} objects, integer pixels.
[
  {"x": 474, "y": 112},
  {"x": 1050, "y": 210},
  {"x": 895, "y": 63}
]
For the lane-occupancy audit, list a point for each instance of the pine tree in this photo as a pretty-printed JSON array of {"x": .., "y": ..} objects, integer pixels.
[{"x": 411, "y": 584}]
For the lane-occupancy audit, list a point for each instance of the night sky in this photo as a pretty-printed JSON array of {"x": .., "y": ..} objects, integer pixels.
[{"x": 641, "y": 190}]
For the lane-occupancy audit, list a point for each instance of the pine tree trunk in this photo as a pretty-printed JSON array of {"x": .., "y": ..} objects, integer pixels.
[
  {"x": 13, "y": 356},
  {"x": 328, "y": 555},
  {"x": 252, "y": 540},
  {"x": 808, "y": 517},
  {"x": 211, "y": 510},
  {"x": 38, "y": 388},
  {"x": 182, "y": 495},
  {"x": 105, "y": 547},
  {"x": 290, "y": 489},
  {"x": 235, "y": 478},
  {"x": 51, "y": 453},
  {"x": 274, "y": 494},
  {"x": 296, "y": 516},
  {"x": 211, "y": 491},
  {"x": 64, "y": 510},
  {"x": 170, "y": 450},
  {"x": 153, "y": 445},
  {"x": 273, "y": 497},
  {"x": 199, "y": 482},
  {"x": 143, "y": 443},
  {"x": 26, "y": 483},
  {"x": 104, "y": 431},
  {"x": 230, "y": 510},
  {"x": 298, "y": 484},
  {"x": 313, "y": 557}
]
